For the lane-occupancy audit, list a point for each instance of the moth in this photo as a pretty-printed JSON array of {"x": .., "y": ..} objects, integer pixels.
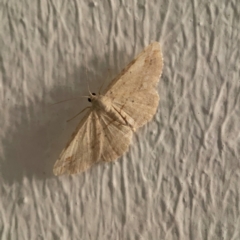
[{"x": 105, "y": 132}]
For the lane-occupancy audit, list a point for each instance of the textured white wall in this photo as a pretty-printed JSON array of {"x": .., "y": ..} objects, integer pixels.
[{"x": 180, "y": 178}]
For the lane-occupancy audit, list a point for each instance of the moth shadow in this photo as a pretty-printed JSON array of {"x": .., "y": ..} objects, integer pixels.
[{"x": 39, "y": 132}]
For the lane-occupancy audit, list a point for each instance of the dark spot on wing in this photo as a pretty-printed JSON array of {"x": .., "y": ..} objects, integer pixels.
[{"x": 69, "y": 159}]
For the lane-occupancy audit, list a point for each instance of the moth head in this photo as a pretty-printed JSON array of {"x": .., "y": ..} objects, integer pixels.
[{"x": 92, "y": 97}]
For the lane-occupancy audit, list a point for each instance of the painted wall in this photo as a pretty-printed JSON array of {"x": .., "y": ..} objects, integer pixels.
[{"x": 180, "y": 178}]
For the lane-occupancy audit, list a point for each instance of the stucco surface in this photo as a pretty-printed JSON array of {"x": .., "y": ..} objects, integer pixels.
[{"x": 180, "y": 178}]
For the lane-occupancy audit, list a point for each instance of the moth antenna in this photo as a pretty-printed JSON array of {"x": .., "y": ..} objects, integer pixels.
[
  {"x": 77, "y": 114},
  {"x": 99, "y": 92},
  {"x": 70, "y": 99},
  {"x": 89, "y": 90},
  {"x": 88, "y": 81}
]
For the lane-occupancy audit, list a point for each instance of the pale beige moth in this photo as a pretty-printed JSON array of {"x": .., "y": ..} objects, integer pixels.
[{"x": 105, "y": 132}]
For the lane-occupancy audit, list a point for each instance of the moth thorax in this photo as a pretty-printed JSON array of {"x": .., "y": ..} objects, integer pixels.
[{"x": 102, "y": 102}]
